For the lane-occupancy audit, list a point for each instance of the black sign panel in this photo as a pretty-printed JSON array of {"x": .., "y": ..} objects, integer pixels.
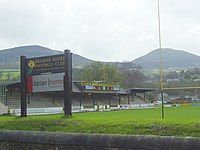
[{"x": 45, "y": 65}]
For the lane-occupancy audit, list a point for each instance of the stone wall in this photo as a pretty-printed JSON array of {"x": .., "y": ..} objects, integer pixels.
[{"x": 27, "y": 140}]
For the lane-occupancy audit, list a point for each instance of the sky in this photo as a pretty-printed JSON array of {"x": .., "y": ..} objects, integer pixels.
[{"x": 101, "y": 30}]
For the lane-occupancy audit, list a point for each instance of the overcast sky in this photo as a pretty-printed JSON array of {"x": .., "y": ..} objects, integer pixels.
[{"x": 103, "y": 30}]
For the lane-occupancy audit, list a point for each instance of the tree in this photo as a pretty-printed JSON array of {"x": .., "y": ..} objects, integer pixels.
[
  {"x": 1, "y": 75},
  {"x": 76, "y": 74},
  {"x": 98, "y": 71},
  {"x": 132, "y": 75}
]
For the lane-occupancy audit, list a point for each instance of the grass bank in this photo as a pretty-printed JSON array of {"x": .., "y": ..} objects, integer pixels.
[{"x": 179, "y": 121}]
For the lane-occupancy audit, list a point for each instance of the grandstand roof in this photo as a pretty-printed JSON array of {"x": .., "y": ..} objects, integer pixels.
[
  {"x": 141, "y": 90},
  {"x": 5, "y": 83},
  {"x": 106, "y": 92},
  {"x": 75, "y": 88}
]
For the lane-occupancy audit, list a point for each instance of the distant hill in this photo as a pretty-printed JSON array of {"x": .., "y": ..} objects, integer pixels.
[
  {"x": 171, "y": 59},
  {"x": 9, "y": 58}
]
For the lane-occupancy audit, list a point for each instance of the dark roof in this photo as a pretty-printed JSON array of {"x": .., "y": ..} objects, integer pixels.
[
  {"x": 6, "y": 83},
  {"x": 106, "y": 92},
  {"x": 141, "y": 90},
  {"x": 75, "y": 88}
]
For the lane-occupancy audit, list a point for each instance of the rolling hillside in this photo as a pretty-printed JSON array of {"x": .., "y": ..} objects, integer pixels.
[
  {"x": 171, "y": 59},
  {"x": 9, "y": 58}
]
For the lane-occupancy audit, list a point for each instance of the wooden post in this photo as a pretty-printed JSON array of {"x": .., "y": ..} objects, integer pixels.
[
  {"x": 23, "y": 86},
  {"x": 67, "y": 83}
]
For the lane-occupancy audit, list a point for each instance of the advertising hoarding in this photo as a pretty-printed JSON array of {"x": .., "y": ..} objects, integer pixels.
[
  {"x": 100, "y": 86},
  {"x": 45, "y": 83},
  {"x": 45, "y": 73}
]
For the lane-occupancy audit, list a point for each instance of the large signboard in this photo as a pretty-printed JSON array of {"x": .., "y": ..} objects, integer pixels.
[
  {"x": 45, "y": 65},
  {"x": 45, "y": 73},
  {"x": 50, "y": 73},
  {"x": 100, "y": 86},
  {"x": 45, "y": 83}
]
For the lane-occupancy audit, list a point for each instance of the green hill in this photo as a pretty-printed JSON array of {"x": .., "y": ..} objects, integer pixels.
[
  {"x": 171, "y": 59},
  {"x": 10, "y": 57}
]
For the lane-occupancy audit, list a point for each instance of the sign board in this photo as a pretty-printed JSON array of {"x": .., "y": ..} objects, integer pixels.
[
  {"x": 50, "y": 73},
  {"x": 45, "y": 73},
  {"x": 45, "y": 83},
  {"x": 45, "y": 65},
  {"x": 100, "y": 86}
]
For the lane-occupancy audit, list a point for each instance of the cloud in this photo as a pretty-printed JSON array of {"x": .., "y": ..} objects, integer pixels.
[
  {"x": 108, "y": 30},
  {"x": 145, "y": 37},
  {"x": 195, "y": 30}
]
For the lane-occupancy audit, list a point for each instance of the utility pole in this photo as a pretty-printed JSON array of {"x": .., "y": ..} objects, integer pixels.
[{"x": 161, "y": 66}]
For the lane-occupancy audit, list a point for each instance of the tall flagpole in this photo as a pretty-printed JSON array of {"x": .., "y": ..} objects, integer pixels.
[{"x": 161, "y": 66}]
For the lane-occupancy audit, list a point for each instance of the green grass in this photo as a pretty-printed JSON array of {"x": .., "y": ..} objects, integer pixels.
[{"x": 179, "y": 121}]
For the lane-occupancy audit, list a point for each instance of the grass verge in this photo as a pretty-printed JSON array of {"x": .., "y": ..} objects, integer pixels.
[{"x": 179, "y": 121}]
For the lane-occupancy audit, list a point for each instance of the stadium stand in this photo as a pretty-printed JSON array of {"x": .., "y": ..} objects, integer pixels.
[
  {"x": 80, "y": 97},
  {"x": 34, "y": 101}
]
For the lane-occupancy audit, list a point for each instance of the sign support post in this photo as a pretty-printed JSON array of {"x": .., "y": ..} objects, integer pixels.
[
  {"x": 67, "y": 83},
  {"x": 23, "y": 86}
]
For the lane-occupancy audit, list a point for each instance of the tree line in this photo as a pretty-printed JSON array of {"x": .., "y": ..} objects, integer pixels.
[{"x": 127, "y": 74}]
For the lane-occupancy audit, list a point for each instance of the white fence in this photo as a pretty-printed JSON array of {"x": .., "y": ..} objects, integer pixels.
[
  {"x": 38, "y": 111},
  {"x": 58, "y": 110},
  {"x": 138, "y": 106}
]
